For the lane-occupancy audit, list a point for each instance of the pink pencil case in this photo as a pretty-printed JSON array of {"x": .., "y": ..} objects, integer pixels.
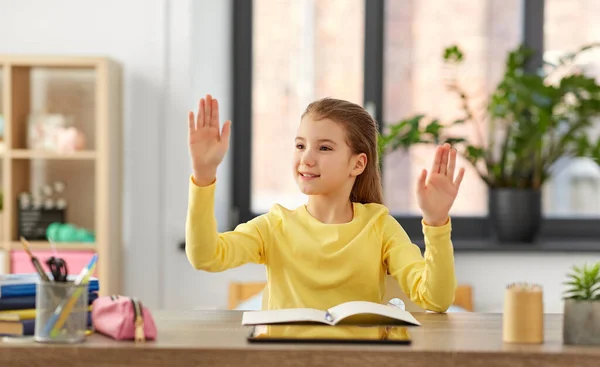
[{"x": 123, "y": 318}]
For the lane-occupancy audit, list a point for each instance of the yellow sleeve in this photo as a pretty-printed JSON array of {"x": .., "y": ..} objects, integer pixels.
[
  {"x": 429, "y": 280},
  {"x": 206, "y": 249}
]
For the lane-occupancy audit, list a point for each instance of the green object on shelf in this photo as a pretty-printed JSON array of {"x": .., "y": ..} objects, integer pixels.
[{"x": 66, "y": 232}]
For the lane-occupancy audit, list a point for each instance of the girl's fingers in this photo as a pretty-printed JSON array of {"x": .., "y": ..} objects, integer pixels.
[
  {"x": 191, "y": 122},
  {"x": 215, "y": 113},
  {"x": 200, "y": 116},
  {"x": 421, "y": 180},
  {"x": 444, "y": 161},
  {"x": 435, "y": 168},
  {"x": 208, "y": 113},
  {"x": 451, "y": 163},
  {"x": 459, "y": 177},
  {"x": 226, "y": 133}
]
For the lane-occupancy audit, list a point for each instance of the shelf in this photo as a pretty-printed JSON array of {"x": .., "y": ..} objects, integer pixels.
[
  {"x": 487, "y": 245},
  {"x": 36, "y": 92},
  {"x": 44, "y": 245},
  {"x": 53, "y": 61},
  {"x": 41, "y": 154}
]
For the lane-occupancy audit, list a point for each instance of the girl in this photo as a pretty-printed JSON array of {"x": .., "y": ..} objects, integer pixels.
[{"x": 340, "y": 245}]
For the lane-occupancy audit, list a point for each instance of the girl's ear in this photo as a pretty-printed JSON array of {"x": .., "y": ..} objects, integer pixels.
[{"x": 360, "y": 163}]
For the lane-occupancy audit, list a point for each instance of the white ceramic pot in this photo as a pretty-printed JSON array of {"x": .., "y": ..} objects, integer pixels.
[{"x": 581, "y": 322}]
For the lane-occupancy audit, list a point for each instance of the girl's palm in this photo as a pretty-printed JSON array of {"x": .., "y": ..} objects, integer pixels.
[{"x": 207, "y": 144}]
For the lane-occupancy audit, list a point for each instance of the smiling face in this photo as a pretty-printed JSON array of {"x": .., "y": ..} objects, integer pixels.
[{"x": 323, "y": 162}]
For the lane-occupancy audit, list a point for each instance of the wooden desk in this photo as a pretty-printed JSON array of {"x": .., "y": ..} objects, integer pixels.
[{"x": 216, "y": 338}]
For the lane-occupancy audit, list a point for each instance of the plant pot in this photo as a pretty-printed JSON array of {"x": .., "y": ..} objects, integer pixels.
[
  {"x": 515, "y": 214},
  {"x": 581, "y": 322}
]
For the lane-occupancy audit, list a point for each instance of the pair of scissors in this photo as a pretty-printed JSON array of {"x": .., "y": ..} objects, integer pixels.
[{"x": 58, "y": 268}]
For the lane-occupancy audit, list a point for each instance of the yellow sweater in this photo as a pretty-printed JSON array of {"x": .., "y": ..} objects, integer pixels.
[{"x": 312, "y": 264}]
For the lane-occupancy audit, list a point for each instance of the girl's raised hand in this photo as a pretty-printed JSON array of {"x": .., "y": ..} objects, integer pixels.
[
  {"x": 436, "y": 193},
  {"x": 207, "y": 142}
]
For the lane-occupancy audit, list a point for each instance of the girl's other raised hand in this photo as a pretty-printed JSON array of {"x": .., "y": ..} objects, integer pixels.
[{"x": 437, "y": 190}]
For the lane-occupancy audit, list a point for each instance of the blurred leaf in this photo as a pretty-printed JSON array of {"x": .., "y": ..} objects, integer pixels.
[
  {"x": 534, "y": 122},
  {"x": 433, "y": 127},
  {"x": 454, "y": 141},
  {"x": 453, "y": 54}
]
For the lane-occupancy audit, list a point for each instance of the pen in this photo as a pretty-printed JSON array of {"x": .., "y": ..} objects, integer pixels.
[
  {"x": 58, "y": 318},
  {"x": 34, "y": 260}
]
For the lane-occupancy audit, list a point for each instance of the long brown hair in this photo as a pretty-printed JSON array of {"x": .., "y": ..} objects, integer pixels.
[{"x": 361, "y": 131}]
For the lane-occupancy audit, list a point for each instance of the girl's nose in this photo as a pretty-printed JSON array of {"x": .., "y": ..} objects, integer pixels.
[{"x": 307, "y": 159}]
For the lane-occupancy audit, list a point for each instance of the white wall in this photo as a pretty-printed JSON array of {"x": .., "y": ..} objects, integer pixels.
[
  {"x": 132, "y": 32},
  {"x": 173, "y": 53},
  {"x": 490, "y": 273},
  {"x": 201, "y": 60}
]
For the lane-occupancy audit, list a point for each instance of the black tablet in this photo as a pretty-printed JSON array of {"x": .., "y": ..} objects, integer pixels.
[{"x": 330, "y": 334}]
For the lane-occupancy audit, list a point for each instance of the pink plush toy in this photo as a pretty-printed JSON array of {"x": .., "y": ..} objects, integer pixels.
[{"x": 69, "y": 140}]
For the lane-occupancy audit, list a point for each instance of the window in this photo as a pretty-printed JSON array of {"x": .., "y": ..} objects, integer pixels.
[
  {"x": 299, "y": 55},
  {"x": 387, "y": 56},
  {"x": 416, "y": 34},
  {"x": 574, "y": 192}
]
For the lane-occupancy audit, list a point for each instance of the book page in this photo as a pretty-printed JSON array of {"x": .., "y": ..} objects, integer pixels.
[
  {"x": 348, "y": 309},
  {"x": 290, "y": 315}
]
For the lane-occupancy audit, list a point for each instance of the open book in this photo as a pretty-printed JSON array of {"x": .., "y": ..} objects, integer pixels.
[{"x": 354, "y": 312}]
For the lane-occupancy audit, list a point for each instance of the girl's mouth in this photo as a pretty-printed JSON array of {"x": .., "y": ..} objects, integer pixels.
[{"x": 308, "y": 176}]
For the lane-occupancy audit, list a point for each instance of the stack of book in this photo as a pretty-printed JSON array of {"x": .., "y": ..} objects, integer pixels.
[{"x": 18, "y": 299}]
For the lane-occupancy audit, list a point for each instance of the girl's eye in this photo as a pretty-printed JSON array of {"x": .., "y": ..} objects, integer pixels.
[
  {"x": 325, "y": 148},
  {"x": 299, "y": 146}
]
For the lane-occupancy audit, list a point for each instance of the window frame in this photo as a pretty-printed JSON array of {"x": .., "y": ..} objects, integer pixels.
[{"x": 468, "y": 233}]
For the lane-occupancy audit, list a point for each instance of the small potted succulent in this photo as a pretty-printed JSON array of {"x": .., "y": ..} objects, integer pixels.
[{"x": 581, "y": 318}]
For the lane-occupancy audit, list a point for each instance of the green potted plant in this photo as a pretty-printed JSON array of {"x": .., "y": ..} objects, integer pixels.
[
  {"x": 531, "y": 120},
  {"x": 581, "y": 318}
]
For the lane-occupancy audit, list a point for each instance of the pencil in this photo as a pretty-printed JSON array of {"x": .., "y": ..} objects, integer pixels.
[
  {"x": 64, "y": 312},
  {"x": 34, "y": 260},
  {"x": 58, "y": 318}
]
